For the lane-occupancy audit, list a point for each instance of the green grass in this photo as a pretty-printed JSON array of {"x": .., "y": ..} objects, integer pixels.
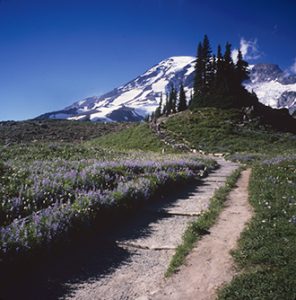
[
  {"x": 138, "y": 137},
  {"x": 221, "y": 130},
  {"x": 266, "y": 254},
  {"x": 55, "y": 131},
  {"x": 55, "y": 150},
  {"x": 117, "y": 142},
  {"x": 198, "y": 228}
]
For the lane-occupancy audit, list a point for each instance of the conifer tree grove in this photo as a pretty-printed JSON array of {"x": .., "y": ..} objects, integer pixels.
[{"x": 218, "y": 81}]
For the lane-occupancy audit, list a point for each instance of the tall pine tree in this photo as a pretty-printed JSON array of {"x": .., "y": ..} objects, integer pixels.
[
  {"x": 182, "y": 104},
  {"x": 167, "y": 107},
  {"x": 207, "y": 65},
  {"x": 158, "y": 111},
  {"x": 241, "y": 69},
  {"x": 228, "y": 69},
  {"x": 173, "y": 99},
  {"x": 198, "y": 79},
  {"x": 219, "y": 67}
]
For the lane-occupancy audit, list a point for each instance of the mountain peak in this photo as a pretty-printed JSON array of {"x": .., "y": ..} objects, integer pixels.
[
  {"x": 141, "y": 96},
  {"x": 136, "y": 98}
]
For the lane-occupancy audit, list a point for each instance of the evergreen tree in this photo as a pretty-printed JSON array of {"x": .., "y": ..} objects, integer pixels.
[
  {"x": 228, "y": 69},
  {"x": 160, "y": 102},
  {"x": 207, "y": 65},
  {"x": 191, "y": 98},
  {"x": 199, "y": 70},
  {"x": 182, "y": 105},
  {"x": 219, "y": 66},
  {"x": 172, "y": 100},
  {"x": 213, "y": 73},
  {"x": 241, "y": 68},
  {"x": 227, "y": 54},
  {"x": 167, "y": 107},
  {"x": 158, "y": 111}
]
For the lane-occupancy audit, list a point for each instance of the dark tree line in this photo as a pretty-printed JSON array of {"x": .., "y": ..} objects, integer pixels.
[
  {"x": 175, "y": 102},
  {"x": 218, "y": 80}
]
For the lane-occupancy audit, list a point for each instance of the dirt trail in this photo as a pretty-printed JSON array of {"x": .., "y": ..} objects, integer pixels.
[
  {"x": 129, "y": 261},
  {"x": 150, "y": 252},
  {"x": 210, "y": 264}
]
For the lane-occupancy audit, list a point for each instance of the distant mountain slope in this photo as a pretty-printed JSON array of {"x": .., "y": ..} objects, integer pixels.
[
  {"x": 272, "y": 86},
  {"x": 139, "y": 97},
  {"x": 134, "y": 100}
]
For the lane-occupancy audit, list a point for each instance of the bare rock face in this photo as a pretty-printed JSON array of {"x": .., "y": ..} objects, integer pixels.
[{"x": 265, "y": 72}]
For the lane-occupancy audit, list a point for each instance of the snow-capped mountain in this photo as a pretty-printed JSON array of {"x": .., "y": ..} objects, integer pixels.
[
  {"x": 272, "y": 86},
  {"x": 139, "y": 97},
  {"x": 136, "y": 99}
]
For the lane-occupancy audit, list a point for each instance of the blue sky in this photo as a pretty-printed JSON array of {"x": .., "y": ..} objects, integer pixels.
[{"x": 54, "y": 52}]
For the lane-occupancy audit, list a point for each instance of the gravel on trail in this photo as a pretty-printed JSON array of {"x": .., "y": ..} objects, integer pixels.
[
  {"x": 210, "y": 265},
  {"x": 150, "y": 251},
  {"x": 125, "y": 262}
]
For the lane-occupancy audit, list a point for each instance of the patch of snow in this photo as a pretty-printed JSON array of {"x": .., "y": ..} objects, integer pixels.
[
  {"x": 160, "y": 86},
  {"x": 101, "y": 114},
  {"x": 269, "y": 92},
  {"x": 77, "y": 117},
  {"x": 190, "y": 70},
  {"x": 126, "y": 96}
]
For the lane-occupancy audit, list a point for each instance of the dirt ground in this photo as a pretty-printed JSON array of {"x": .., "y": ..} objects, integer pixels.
[
  {"x": 142, "y": 275},
  {"x": 129, "y": 261},
  {"x": 210, "y": 264}
]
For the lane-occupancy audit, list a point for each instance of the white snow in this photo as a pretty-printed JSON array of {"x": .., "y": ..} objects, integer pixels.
[
  {"x": 127, "y": 96},
  {"x": 180, "y": 62},
  {"x": 160, "y": 86},
  {"x": 270, "y": 91},
  {"x": 77, "y": 117},
  {"x": 101, "y": 114},
  {"x": 190, "y": 70},
  {"x": 143, "y": 93}
]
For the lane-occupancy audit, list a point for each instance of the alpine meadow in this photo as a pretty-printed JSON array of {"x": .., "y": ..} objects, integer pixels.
[{"x": 180, "y": 183}]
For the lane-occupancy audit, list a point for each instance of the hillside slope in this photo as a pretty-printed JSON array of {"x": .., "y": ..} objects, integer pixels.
[{"x": 226, "y": 131}]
